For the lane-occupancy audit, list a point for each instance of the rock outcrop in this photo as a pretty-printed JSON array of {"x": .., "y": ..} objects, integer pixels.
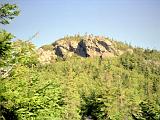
[
  {"x": 46, "y": 56},
  {"x": 84, "y": 46}
]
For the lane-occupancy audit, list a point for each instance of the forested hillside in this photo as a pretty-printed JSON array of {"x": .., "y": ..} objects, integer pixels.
[
  {"x": 125, "y": 86},
  {"x": 121, "y": 87}
]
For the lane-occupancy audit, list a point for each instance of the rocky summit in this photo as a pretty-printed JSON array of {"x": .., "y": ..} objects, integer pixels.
[{"x": 84, "y": 46}]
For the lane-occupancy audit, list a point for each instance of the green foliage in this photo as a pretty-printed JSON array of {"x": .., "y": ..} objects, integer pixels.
[
  {"x": 94, "y": 107},
  {"x": 149, "y": 111},
  {"x": 5, "y": 46},
  {"x": 152, "y": 54},
  {"x": 122, "y": 46},
  {"x": 24, "y": 52},
  {"x": 128, "y": 61},
  {"x": 8, "y": 12},
  {"x": 73, "y": 38},
  {"x": 30, "y": 97},
  {"x": 80, "y": 88},
  {"x": 47, "y": 47}
]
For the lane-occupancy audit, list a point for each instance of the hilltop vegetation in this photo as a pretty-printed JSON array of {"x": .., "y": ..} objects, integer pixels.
[{"x": 125, "y": 86}]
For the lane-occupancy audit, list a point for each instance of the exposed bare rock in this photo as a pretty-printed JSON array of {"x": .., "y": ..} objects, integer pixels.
[
  {"x": 46, "y": 56},
  {"x": 130, "y": 51},
  {"x": 84, "y": 46}
]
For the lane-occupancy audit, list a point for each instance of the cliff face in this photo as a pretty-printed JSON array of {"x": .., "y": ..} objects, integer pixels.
[{"x": 84, "y": 46}]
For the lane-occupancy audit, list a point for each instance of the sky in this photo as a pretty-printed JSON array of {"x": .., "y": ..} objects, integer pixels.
[{"x": 136, "y": 22}]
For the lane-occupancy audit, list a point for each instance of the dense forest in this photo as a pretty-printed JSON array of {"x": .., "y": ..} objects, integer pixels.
[{"x": 125, "y": 87}]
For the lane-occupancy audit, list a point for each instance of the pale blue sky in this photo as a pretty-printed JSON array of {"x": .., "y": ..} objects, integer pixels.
[{"x": 134, "y": 21}]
